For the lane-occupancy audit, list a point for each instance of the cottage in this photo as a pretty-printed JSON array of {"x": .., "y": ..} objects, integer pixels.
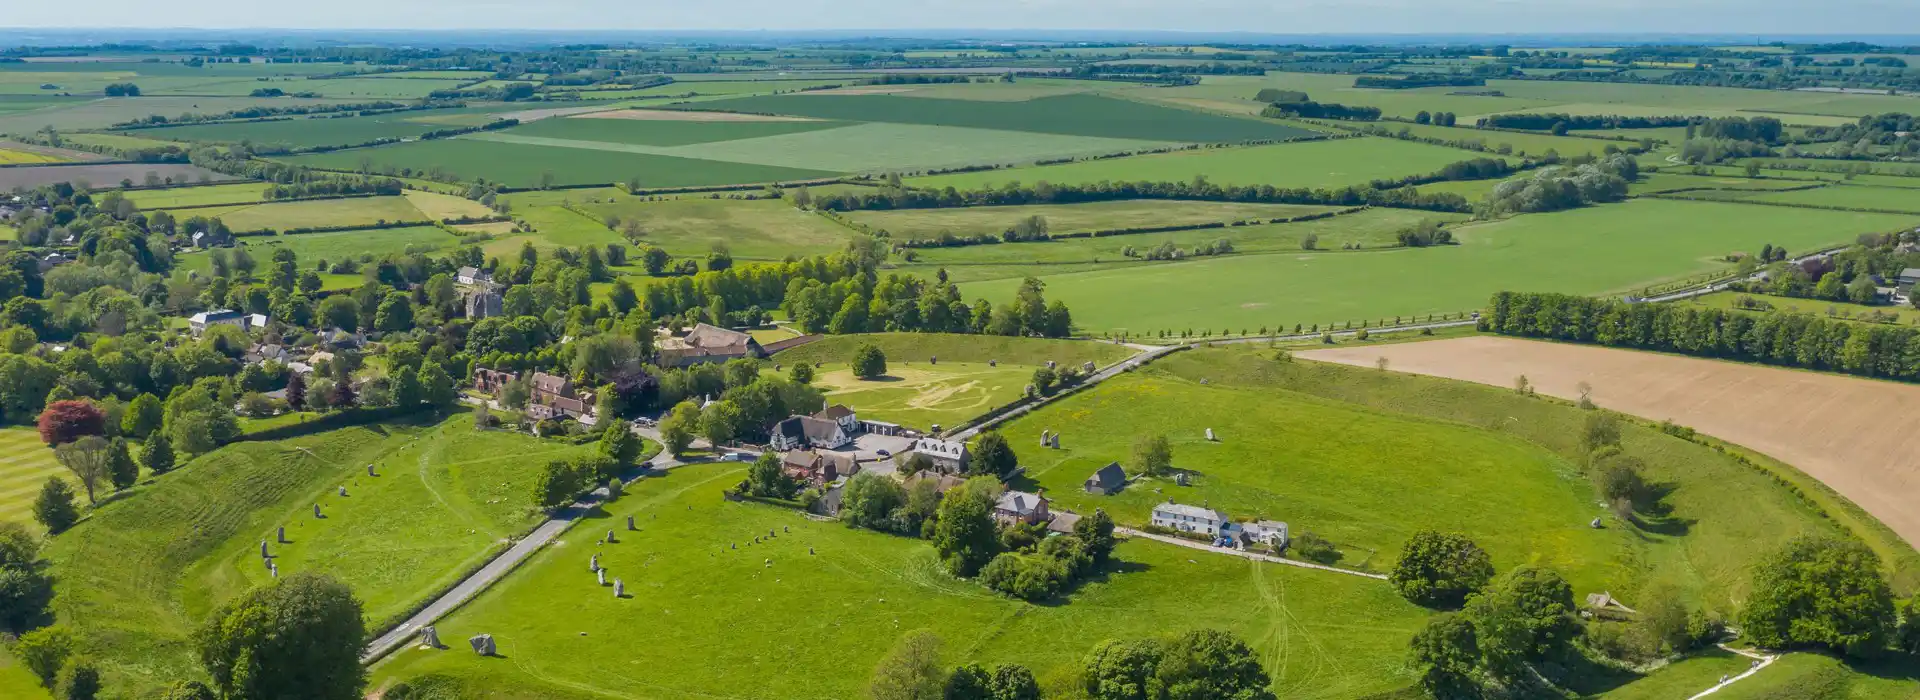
[
  {"x": 817, "y": 468},
  {"x": 1268, "y": 532},
  {"x": 474, "y": 276},
  {"x": 200, "y": 322},
  {"x": 842, "y": 416},
  {"x": 265, "y": 351},
  {"x": 707, "y": 343},
  {"x": 342, "y": 340},
  {"x": 1185, "y": 518},
  {"x": 800, "y": 432},
  {"x": 1107, "y": 480},
  {"x": 554, "y": 396},
  {"x": 1020, "y": 507},
  {"x": 947, "y": 456},
  {"x": 489, "y": 381},
  {"x": 1062, "y": 522}
]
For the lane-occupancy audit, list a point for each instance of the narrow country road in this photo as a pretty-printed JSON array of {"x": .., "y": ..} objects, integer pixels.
[
  {"x": 1148, "y": 354},
  {"x": 1256, "y": 556},
  {"x": 505, "y": 563},
  {"x": 1760, "y": 661}
]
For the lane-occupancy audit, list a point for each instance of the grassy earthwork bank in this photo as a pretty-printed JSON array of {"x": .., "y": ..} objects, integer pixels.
[
  {"x": 138, "y": 575},
  {"x": 822, "y": 603}
]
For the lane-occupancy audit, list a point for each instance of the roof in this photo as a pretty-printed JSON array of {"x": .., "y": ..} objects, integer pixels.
[
  {"x": 790, "y": 429},
  {"x": 550, "y": 383},
  {"x": 817, "y": 429},
  {"x": 940, "y": 448},
  {"x": 709, "y": 340},
  {"x": 216, "y": 315},
  {"x": 1063, "y": 522},
  {"x": 941, "y": 482},
  {"x": 1267, "y": 525},
  {"x": 834, "y": 412},
  {"x": 1019, "y": 502},
  {"x": 1109, "y": 476},
  {"x": 1910, "y": 272},
  {"x": 1197, "y": 512}
]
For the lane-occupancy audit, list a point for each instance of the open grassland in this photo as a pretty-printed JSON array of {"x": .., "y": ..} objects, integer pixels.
[
  {"x": 1370, "y": 228},
  {"x": 139, "y": 574},
  {"x": 1317, "y": 164},
  {"x": 1683, "y": 678},
  {"x": 438, "y": 206},
  {"x": 1819, "y": 677},
  {"x": 979, "y": 349},
  {"x": 105, "y": 112},
  {"x": 559, "y": 227},
  {"x": 605, "y": 126},
  {"x": 301, "y": 132},
  {"x": 521, "y": 165},
  {"x": 862, "y": 147},
  {"x": 763, "y": 229},
  {"x": 1818, "y": 307},
  {"x": 115, "y": 140},
  {"x": 199, "y": 196},
  {"x": 106, "y": 175},
  {"x": 1594, "y": 250},
  {"x": 921, "y": 396},
  {"x": 1848, "y": 196},
  {"x": 1853, "y": 435},
  {"x": 25, "y": 464},
  {"x": 912, "y": 224},
  {"x": 279, "y": 216},
  {"x": 692, "y": 598},
  {"x": 337, "y": 245},
  {"x": 15, "y": 153},
  {"x": 1079, "y": 115},
  {"x": 1670, "y": 182},
  {"x": 1536, "y": 145}
]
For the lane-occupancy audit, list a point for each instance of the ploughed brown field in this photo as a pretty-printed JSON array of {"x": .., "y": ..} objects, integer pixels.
[{"x": 1858, "y": 436}]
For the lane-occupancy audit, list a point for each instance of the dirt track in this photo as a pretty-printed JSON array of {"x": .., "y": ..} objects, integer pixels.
[{"x": 1858, "y": 436}]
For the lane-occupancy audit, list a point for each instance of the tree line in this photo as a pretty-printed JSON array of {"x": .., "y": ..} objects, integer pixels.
[
  {"x": 1014, "y": 194},
  {"x": 1561, "y": 122}
]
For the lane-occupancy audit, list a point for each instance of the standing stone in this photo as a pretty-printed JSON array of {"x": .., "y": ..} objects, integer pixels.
[
  {"x": 282, "y": 534},
  {"x": 993, "y": 363},
  {"x": 600, "y": 575},
  {"x": 619, "y": 588},
  {"x": 482, "y": 644},
  {"x": 1210, "y": 437},
  {"x": 1049, "y": 364},
  {"x": 933, "y": 360},
  {"x": 263, "y": 550},
  {"x": 630, "y": 526},
  {"x": 809, "y": 550},
  {"x": 609, "y": 537},
  {"x": 429, "y": 637},
  {"x": 273, "y": 569},
  {"x": 370, "y": 471},
  {"x": 594, "y": 563},
  {"x": 1595, "y": 524},
  {"x": 343, "y": 491},
  {"x": 1045, "y": 439},
  {"x": 267, "y": 563},
  {"x": 316, "y": 511},
  {"x": 785, "y": 528}
]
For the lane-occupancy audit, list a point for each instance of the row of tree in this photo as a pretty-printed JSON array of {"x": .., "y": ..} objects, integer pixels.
[
  {"x": 1200, "y": 664},
  {"x": 1198, "y": 189}
]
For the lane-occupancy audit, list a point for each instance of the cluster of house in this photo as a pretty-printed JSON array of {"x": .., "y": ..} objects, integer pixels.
[
  {"x": 1200, "y": 519},
  {"x": 548, "y": 395}
]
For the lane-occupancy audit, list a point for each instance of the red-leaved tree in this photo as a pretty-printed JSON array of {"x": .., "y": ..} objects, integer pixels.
[{"x": 67, "y": 421}]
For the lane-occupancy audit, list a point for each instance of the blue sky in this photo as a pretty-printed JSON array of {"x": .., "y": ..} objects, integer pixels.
[{"x": 1718, "y": 17}]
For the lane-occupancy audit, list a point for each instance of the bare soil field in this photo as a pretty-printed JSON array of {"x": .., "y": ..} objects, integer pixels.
[
  {"x": 667, "y": 115},
  {"x": 107, "y": 176},
  {"x": 1857, "y": 436}
]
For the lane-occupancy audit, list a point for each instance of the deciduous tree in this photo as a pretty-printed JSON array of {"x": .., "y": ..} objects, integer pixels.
[
  {"x": 911, "y": 671},
  {"x": 1440, "y": 569},
  {"x": 1820, "y": 592},
  {"x": 1152, "y": 455},
  {"x": 300, "y": 637},
  {"x": 66, "y": 421},
  {"x": 89, "y": 460},
  {"x": 964, "y": 534},
  {"x": 54, "y": 506}
]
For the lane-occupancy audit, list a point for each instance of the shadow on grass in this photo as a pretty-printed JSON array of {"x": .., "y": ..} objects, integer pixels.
[
  {"x": 885, "y": 378},
  {"x": 1586, "y": 677}
]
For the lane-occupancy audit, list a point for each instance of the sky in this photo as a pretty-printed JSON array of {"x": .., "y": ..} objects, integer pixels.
[{"x": 1719, "y": 17}]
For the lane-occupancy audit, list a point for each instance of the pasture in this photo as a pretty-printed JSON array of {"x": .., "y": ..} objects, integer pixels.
[
  {"x": 1236, "y": 92},
  {"x": 25, "y": 464},
  {"x": 1527, "y": 144},
  {"x": 914, "y": 224},
  {"x": 356, "y": 244},
  {"x": 1817, "y": 307},
  {"x": 1074, "y": 114},
  {"x": 978, "y": 349},
  {"x": 920, "y": 395},
  {"x": 521, "y": 165},
  {"x": 105, "y": 112},
  {"x": 1850, "y": 434},
  {"x": 201, "y": 196},
  {"x": 692, "y": 597},
  {"x": 325, "y": 130},
  {"x": 108, "y": 175},
  {"x": 446, "y": 496},
  {"x": 1316, "y": 164},
  {"x": 279, "y": 216},
  {"x": 621, "y": 127},
  {"x": 1848, "y": 196},
  {"x": 762, "y": 229},
  {"x": 439, "y": 207},
  {"x": 1595, "y": 250}
]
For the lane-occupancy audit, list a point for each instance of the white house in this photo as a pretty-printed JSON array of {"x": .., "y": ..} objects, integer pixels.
[
  {"x": 840, "y": 414},
  {"x": 474, "y": 276},
  {"x": 801, "y": 432},
  {"x": 1267, "y": 532},
  {"x": 200, "y": 322},
  {"x": 1185, "y": 518},
  {"x": 948, "y": 456}
]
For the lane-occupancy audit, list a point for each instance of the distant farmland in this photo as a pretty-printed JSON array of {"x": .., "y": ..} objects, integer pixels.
[
  {"x": 521, "y": 165},
  {"x": 105, "y": 176},
  {"x": 1320, "y": 164},
  {"x": 1079, "y": 115}
]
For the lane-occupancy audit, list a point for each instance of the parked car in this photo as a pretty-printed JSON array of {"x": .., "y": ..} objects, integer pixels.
[{"x": 883, "y": 453}]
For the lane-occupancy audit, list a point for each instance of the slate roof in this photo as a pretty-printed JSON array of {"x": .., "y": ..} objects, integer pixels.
[
  {"x": 1109, "y": 477},
  {"x": 1019, "y": 503}
]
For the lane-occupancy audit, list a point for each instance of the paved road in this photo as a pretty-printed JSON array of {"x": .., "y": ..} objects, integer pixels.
[
  {"x": 1148, "y": 354},
  {"x": 1256, "y": 556},
  {"x": 506, "y": 562}
]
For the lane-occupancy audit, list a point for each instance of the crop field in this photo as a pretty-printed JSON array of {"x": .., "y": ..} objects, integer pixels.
[
  {"x": 324, "y": 130},
  {"x": 611, "y": 127},
  {"x": 351, "y": 211},
  {"x": 914, "y": 224},
  {"x": 523, "y": 165},
  {"x": 122, "y": 141},
  {"x": 1317, "y": 164},
  {"x": 764, "y": 229},
  {"x": 1849, "y": 196},
  {"x": 1595, "y": 250},
  {"x": 201, "y": 196},
  {"x": 1322, "y": 635},
  {"x": 106, "y": 175},
  {"x": 25, "y": 464},
  {"x": 105, "y": 112},
  {"x": 870, "y": 146},
  {"x": 336, "y": 245},
  {"x": 1239, "y": 90},
  {"x": 1851, "y": 434},
  {"x": 438, "y": 206},
  {"x": 725, "y": 88},
  {"x": 14, "y": 153},
  {"x": 1078, "y": 115}
]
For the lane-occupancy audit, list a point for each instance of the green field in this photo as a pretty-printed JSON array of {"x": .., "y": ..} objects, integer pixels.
[
  {"x": 1536, "y": 145},
  {"x": 1078, "y": 115},
  {"x": 922, "y": 347},
  {"x": 926, "y": 224},
  {"x": 1849, "y": 196},
  {"x": 860, "y": 147},
  {"x": 651, "y": 132},
  {"x": 764, "y": 229},
  {"x": 1818, "y": 677},
  {"x": 139, "y": 573},
  {"x": 819, "y": 622},
  {"x": 522, "y": 165},
  {"x": 1317, "y": 164},
  {"x": 1668, "y": 182},
  {"x": 105, "y": 112},
  {"x": 321, "y": 131},
  {"x": 279, "y": 216},
  {"x": 1236, "y": 93},
  {"x": 336, "y": 245},
  {"x": 1818, "y": 307},
  {"x": 202, "y": 196},
  {"x": 1611, "y": 248},
  {"x": 25, "y": 464}
]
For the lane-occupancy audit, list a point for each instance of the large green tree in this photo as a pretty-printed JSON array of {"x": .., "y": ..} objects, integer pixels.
[
  {"x": 1820, "y": 592},
  {"x": 1440, "y": 569},
  {"x": 1122, "y": 669},
  {"x": 911, "y": 671},
  {"x": 54, "y": 506},
  {"x": 964, "y": 534},
  {"x": 869, "y": 362},
  {"x": 1210, "y": 664},
  {"x": 1152, "y": 455},
  {"x": 1525, "y": 616},
  {"x": 300, "y": 637},
  {"x": 992, "y": 456},
  {"x": 1446, "y": 653}
]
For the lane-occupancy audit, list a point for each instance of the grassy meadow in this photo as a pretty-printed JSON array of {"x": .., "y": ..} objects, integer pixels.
[
  {"x": 200, "y": 196},
  {"x": 1074, "y": 114},
  {"x": 762, "y": 229},
  {"x": 1317, "y": 164},
  {"x": 25, "y": 464},
  {"x": 351, "y": 211},
  {"x": 662, "y": 132},
  {"x": 522, "y": 165},
  {"x": 325, "y": 130}
]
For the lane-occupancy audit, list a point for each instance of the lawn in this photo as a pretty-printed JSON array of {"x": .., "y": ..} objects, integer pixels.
[
  {"x": 1684, "y": 678},
  {"x": 1819, "y": 677},
  {"x": 820, "y": 621},
  {"x": 762, "y": 229},
  {"x": 138, "y": 575},
  {"x": 859, "y": 147},
  {"x": 280, "y": 216},
  {"x": 523, "y": 165},
  {"x": 1318, "y": 164},
  {"x": 1594, "y": 250},
  {"x": 652, "y": 132},
  {"x": 201, "y": 196},
  {"x": 927, "y": 224},
  {"x": 978, "y": 349},
  {"x": 25, "y": 464},
  {"x": 922, "y": 396},
  {"x": 1076, "y": 114}
]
